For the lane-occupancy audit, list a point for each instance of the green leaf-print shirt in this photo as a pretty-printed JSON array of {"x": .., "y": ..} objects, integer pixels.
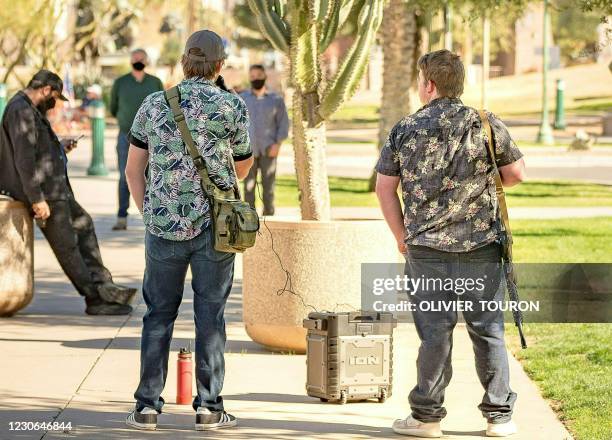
[
  {"x": 175, "y": 207},
  {"x": 448, "y": 185}
]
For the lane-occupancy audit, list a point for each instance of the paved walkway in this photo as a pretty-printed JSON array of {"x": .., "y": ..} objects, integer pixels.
[{"x": 61, "y": 365}]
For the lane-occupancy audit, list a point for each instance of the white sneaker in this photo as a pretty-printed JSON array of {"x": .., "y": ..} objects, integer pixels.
[
  {"x": 145, "y": 419},
  {"x": 206, "y": 419},
  {"x": 501, "y": 429},
  {"x": 411, "y": 426}
]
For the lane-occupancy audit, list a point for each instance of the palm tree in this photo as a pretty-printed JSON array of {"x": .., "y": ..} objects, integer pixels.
[{"x": 400, "y": 41}]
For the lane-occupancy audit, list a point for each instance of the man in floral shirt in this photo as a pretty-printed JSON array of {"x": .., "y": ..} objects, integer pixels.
[
  {"x": 177, "y": 216},
  {"x": 440, "y": 157}
]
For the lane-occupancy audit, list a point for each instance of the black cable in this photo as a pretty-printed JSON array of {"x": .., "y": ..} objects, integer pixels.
[{"x": 288, "y": 286}]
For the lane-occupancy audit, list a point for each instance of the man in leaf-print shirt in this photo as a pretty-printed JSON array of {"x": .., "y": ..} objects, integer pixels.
[
  {"x": 178, "y": 236},
  {"x": 449, "y": 227}
]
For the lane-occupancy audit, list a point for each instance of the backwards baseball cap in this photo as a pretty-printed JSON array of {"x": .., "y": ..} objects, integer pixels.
[
  {"x": 47, "y": 78},
  {"x": 210, "y": 45}
]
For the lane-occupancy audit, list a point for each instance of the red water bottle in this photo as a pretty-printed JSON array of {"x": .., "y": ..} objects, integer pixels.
[{"x": 184, "y": 377}]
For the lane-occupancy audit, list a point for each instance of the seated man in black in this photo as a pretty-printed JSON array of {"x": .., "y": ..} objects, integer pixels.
[{"x": 34, "y": 172}]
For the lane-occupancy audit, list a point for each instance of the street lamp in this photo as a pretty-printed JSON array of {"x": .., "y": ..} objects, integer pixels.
[{"x": 545, "y": 135}]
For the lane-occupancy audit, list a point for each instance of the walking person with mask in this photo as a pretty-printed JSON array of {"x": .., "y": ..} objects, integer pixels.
[
  {"x": 127, "y": 94},
  {"x": 179, "y": 235},
  {"x": 35, "y": 172},
  {"x": 451, "y": 229},
  {"x": 269, "y": 128}
]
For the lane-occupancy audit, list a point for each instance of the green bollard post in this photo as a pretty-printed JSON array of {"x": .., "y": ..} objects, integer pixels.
[
  {"x": 559, "y": 110},
  {"x": 2, "y": 99},
  {"x": 545, "y": 135},
  {"x": 96, "y": 116}
]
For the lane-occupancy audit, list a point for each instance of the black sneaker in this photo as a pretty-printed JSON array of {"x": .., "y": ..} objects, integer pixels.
[
  {"x": 121, "y": 224},
  {"x": 114, "y": 293},
  {"x": 146, "y": 419},
  {"x": 206, "y": 419},
  {"x": 97, "y": 306}
]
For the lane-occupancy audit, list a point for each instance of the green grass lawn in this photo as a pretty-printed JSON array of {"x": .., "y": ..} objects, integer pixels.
[
  {"x": 356, "y": 115},
  {"x": 603, "y": 105},
  {"x": 568, "y": 240},
  {"x": 367, "y": 115},
  {"x": 559, "y": 193},
  {"x": 344, "y": 191},
  {"x": 354, "y": 192},
  {"x": 571, "y": 363}
]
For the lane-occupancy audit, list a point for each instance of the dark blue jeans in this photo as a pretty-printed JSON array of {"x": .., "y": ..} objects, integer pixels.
[
  {"x": 123, "y": 146},
  {"x": 435, "y": 330},
  {"x": 166, "y": 267}
]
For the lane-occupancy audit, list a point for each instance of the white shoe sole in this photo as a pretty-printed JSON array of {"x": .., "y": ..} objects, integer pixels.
[
  {"x": 511, "y": 430},
  {"x": 416, "y": 432},
  {"x": 212, "y": 426},
  {"x": 141, "y": 426},
  {"x": 493, "y": 434}
]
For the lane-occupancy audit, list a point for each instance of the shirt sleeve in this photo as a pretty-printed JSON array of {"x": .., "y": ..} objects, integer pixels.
[
  {"x": 506, "y": 151},
  {"x": 282, "y": 121},
  {"x": 138, "y": 136},
  {"x": 388, "y": 162},
  {"x": 21, "y": 125},
  {"x": 241, "y": 143}
]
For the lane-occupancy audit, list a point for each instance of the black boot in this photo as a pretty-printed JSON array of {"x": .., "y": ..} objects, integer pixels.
[
  {"x": 97, "y": 306},
  {"x": 114, "y": 293}
]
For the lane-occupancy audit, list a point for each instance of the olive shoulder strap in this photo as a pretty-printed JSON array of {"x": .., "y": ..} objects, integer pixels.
[
  {"x": 499, "y": 189},
  {"x": 211, "y": 190}
]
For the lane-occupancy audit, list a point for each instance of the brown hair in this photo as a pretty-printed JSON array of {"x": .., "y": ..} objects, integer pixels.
[
  {"x": 257, "y": 67},
  {"x": 193, "y": 68},
  {"x": 446, "y": 71}
]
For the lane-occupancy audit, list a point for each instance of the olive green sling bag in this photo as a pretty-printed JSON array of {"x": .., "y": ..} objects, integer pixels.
[{"x": 234, "y": 222}]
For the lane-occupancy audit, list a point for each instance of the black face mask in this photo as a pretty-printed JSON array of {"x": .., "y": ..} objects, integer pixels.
[
  {"x": 138, "y": 66},
  {"x": 46, "y": 105},
  {"x": 257, "y": 84}
]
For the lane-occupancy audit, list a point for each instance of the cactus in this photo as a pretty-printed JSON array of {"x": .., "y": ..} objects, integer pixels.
[{"x": 303, "y": 29}]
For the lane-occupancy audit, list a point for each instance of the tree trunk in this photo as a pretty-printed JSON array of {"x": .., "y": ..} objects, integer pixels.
[
  {"x": 310, "y": 165},
  {"x": 400, "y": 35},
  {"x": 468, "y": 49}
]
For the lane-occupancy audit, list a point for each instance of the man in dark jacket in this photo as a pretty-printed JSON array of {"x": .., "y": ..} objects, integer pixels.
[{"x": 34, "y": 172}]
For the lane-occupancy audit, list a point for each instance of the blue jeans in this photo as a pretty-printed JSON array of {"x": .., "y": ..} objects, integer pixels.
[
  {"x": 123, "y": 146},
  {"x": 166, "y": 266},
  {"x": 435, "y": 330}
]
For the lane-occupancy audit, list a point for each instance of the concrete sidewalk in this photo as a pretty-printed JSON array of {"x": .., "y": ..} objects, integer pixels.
[{"x": 60, "y": 365}]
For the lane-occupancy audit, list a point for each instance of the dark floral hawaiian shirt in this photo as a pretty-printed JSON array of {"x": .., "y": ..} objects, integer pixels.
[
  {"x": 175, "y": 207},
  {"x": 447, "y": 178}
]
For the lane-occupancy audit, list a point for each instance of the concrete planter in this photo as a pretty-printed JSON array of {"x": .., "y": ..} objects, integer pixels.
[
  {"x": 324, "y": 261},
  {"x": 16, "y": 257}
]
